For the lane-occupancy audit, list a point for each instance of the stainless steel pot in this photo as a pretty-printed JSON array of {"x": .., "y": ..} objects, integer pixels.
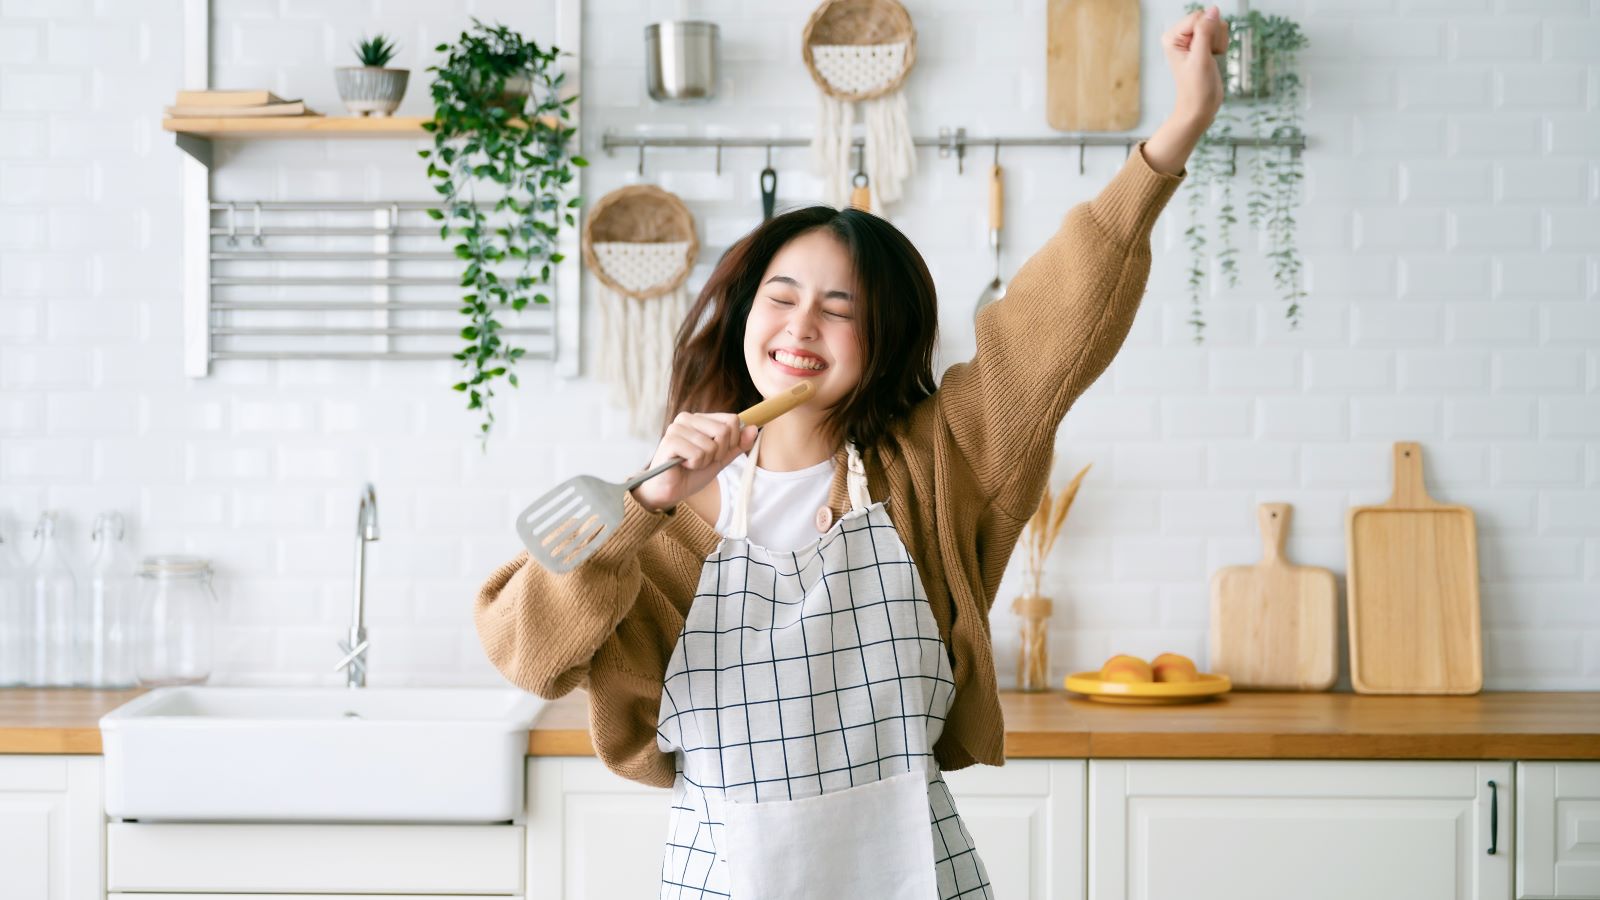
[{"x": 681, "y": 61}]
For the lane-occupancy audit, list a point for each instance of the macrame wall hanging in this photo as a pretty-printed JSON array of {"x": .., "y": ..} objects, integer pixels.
[
  {"x": 639, "y": 241},
  {"x": 859, "y": 53}
]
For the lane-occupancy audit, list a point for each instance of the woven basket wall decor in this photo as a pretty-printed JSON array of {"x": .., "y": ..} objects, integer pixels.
[
  {"x": 639, "y": 242},
  {"x": 859, "y": 53}
]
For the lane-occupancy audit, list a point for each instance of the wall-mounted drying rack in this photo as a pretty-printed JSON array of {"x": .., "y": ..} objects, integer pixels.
[
  {"x": 333, "y": 279},
  {"x": 950, "y": 142},
  {"x": 340, "y": 280}
]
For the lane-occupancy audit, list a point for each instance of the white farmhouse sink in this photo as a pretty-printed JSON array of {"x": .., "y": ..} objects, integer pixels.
[{"x": 318, "y": 754}]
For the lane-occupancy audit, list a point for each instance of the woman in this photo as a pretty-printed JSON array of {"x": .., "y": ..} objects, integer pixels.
[{"x": 798, "y": 662}]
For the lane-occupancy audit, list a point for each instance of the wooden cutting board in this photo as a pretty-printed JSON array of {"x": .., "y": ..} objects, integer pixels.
[
  {"x": 1413, "y": 591},
  {"x": 1092, "y": 65},
  {"x": 1274, "y": 625}
]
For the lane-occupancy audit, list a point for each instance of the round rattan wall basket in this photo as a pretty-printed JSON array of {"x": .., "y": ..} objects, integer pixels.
[
  {"x": 859, "y": 49},
  {"x": 859, "y": 52},
  {"x": 639, "y": 242}
]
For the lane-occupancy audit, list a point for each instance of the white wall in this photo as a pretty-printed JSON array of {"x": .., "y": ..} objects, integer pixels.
[{"x": 1449, "y": 232}]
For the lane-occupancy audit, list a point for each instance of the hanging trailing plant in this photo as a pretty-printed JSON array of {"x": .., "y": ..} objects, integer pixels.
[
  {"x": 502, "y": 163},
  {"x": 1261, "y": 83}
]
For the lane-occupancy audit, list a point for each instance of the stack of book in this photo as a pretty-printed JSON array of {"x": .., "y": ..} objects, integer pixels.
[{"x": 232, "y": 104}]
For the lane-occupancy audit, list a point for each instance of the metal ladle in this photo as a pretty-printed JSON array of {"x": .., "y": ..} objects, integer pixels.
[{"x": 997, "y": 215}]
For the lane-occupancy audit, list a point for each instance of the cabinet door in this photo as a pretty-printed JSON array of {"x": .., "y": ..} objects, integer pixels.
[
  {"x": 313, "y": 858},
  {"x": 1215, "y": 830},
  {"x": 1558, "y": 830},
  {"x": 1026, "y": 819},
  {"x": 592, "y": 834},
  {"x": 52, "y": 826}
]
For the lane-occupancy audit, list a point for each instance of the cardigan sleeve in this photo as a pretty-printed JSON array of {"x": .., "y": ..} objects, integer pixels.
[
  {"x": 1062, "y": 320},
  {"x": 604, "y": 626}
]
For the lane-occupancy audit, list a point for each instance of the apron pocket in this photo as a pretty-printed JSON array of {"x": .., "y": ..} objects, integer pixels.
[{"x": 872, "y": 840}]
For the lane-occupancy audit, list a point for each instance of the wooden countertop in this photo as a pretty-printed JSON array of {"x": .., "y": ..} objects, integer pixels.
[
  {"x": 1238, "y": 725},
  {"x": 1242, "y": 725},
  {"x": 55, "y": 721}
]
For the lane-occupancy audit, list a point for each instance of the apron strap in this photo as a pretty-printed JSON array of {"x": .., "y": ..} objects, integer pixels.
[
  {"x": 855, "y": 481},
  {"x": 856, "y": 478},
  {"x": 740, "y": 527}
]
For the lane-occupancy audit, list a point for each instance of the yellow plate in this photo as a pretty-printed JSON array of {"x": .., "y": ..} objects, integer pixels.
[{"x": 1147, "y": 693}]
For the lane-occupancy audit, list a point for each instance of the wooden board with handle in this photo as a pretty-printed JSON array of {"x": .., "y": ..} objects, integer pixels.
[
  {"x": 1274, "y": 625},
  {"x": 1092, "y": 65},
  {"x": 1413, "y": 590}
]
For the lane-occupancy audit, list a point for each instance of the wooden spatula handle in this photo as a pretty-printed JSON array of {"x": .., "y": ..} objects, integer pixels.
[
  {"x": 997, "y": 199},
  {"x": 1274, "y": 519},
  {"x": 776, "y": 405}
]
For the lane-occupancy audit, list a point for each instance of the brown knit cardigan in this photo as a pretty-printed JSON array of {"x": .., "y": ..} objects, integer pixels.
[{"x": 963, "y": 471}]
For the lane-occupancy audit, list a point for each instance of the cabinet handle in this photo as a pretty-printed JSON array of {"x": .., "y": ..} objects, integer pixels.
[{"x": 1494, "y": 818}]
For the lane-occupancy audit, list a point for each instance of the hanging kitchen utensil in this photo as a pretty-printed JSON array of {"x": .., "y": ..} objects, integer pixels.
[
  {"x": 997, "y": 217},
  {"x": 769, "y": 188},
  {"x": 859, "y": 52},
  {"x": 1412, "y": 590},
  {"x": 860, "y": 187},
  {"x": 565, "y": 526},
  {"x": 1092, "y": 65},
  {"x": 640, "y": 243},
  {"x": 1274, "y": 625}
]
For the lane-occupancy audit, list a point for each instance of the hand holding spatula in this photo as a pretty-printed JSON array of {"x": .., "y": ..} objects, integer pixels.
[{"x": 567, "y": 525}]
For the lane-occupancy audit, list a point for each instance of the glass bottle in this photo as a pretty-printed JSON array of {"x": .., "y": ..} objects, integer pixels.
[
  {"x": 177, "y": 615},
  {"x": 16, "y": 622},
  {"x": 106, "y": 616},
  {"x": 52, "y": 594}
]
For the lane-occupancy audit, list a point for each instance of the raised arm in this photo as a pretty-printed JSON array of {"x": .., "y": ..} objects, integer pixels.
[{"x": 1069, "y": 308}]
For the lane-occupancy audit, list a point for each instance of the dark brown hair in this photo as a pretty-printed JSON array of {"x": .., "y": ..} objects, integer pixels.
[{"x": 896, "y": 316}]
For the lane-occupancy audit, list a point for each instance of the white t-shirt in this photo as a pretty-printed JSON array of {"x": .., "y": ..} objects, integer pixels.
[{"x": 783, "y": 505}]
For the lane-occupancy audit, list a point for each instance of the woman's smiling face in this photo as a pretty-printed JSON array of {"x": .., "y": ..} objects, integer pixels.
[{"x": 802, "y": 323}]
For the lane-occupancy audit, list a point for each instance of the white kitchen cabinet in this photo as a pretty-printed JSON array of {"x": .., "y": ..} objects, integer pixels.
[
  {"x": 1027, "y": 821},
  {"x": 594, "y": 835},
  {"x": 1558, "y": 830},
  {"x": 51, "y": 827},
  {"x": 315, "y": 858},
  {"x": 1273, "y": 829}
]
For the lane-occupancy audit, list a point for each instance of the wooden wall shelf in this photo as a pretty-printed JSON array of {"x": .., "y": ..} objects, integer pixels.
[{"x": 268, "y": 127}]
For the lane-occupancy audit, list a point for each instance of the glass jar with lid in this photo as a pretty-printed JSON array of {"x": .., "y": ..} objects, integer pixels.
[{"x": 177, "y": 617}]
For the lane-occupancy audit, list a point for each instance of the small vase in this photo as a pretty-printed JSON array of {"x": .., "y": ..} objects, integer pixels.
[
  {"x": 1033, "y": 659},
  {"x": 1247, "y": 69},
  {"x": 367, "y": 89}
]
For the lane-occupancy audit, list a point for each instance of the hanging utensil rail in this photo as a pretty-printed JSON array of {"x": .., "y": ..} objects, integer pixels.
[{"x": 949, "y": 142}]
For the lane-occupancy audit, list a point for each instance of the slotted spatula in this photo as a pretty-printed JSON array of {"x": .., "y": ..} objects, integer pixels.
[{"x": 567, "y": 525}]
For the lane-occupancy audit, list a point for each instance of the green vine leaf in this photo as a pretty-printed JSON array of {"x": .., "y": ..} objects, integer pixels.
[
  {"x": 491, "y": 97},
  {"x": 1275, "y": 173}
]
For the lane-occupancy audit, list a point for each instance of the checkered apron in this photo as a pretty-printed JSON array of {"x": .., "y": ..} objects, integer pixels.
[{"x": 816, "y": 675}]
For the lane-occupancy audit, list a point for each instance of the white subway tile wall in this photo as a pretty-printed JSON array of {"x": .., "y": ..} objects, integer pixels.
[{"x": 1450, "y": 232}]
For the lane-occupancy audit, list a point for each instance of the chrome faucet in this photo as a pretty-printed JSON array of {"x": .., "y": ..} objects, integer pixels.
[{"x": 355, "y": 659}]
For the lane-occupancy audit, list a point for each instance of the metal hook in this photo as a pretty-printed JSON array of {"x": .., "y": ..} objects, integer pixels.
[
  {"x": 641, "y": 159},
  {"x": 394, "y": 217},
  {"x": 256, "y": 241},
  {"x": 997, "y": 151},
  {"x": 769, "y": 156},
  {"x": 1081, "y": 147},
  {"x": 233, "y": 237},
  {"x": 1233, "y": 161},
  {"x": 719, "y": 156},
  {"x": 858, "y": 151}
]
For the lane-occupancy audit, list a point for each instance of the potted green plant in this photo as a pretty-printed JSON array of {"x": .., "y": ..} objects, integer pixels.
[
  {"x": 1261, "y": 86},
  {"x": 503, "y": 166},
  {"x": 370, "y": 87}
]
